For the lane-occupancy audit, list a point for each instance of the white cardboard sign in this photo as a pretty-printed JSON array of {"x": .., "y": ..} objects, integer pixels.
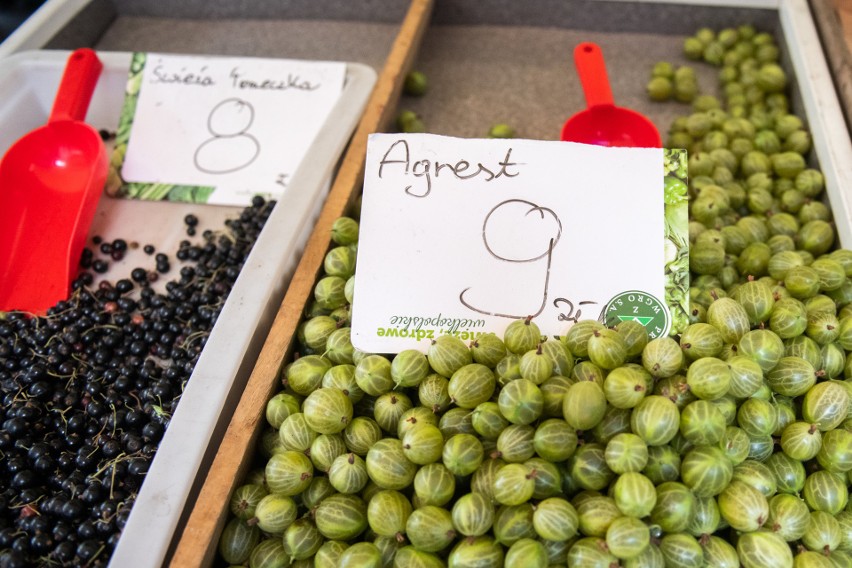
[
  {"x": 238, "y": 125},
  {"x": 465, "y": 236}
]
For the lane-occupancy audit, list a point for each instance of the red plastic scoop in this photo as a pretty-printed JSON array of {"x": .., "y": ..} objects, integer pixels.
[
  {"x": 603, "y": 123},
  {"x": 50, "y": 183}
]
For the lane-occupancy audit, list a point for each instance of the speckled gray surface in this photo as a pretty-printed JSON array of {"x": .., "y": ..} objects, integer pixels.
[
  {"x": 362, "y": 42},
  {"x": 86, "y": 27},
  {"x": 664, "y": 18},
  {"x": 388, "y": 11},
  {"x": 339, "y": 30},
  {"x": 488, "y": 61},
  {"x": 525, "y": 76}
]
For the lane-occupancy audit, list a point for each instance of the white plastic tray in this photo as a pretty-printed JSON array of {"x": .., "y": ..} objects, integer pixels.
[{"x": 28, "y": 82}]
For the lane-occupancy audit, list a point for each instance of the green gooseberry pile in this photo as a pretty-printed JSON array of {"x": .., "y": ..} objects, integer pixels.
[{"x": 729, "y": 444}]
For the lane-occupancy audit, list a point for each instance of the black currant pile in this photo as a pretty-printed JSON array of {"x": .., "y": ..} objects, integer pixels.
[{"x": 88, "y": 391}]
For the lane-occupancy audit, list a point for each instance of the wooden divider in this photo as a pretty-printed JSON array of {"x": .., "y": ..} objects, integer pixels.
[
  {"x": 198, "y": 541},
  {"x": 835, "y": 42}
]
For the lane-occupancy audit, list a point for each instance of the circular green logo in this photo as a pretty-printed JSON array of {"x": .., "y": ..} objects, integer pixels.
[{"x": 640, "y": 307}]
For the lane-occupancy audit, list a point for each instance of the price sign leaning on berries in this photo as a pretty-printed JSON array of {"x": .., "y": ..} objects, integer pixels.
[
  {"x": 219, "y": 130},
  {"x": 464, "y": 237}
]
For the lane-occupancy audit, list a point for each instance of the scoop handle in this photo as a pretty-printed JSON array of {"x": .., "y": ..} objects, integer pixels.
[
  {"x": 588, "y": 58},
  {"x": 77, "y": 86}
]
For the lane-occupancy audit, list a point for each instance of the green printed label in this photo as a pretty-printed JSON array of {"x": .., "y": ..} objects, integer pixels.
[{"x": 640, "y": 307}]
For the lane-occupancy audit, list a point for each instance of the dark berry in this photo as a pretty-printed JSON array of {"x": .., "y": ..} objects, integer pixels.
[
  {"x": 86, "y": 258},
  {"x": 13, "y": 559},
  {"x": 61, "y": 530},
  {"x": 41, "y": 543},
  {"x": 152, "y": 431},
  {"x": 87, "y": 549},
  {"x": 7, "y": 536},
  {"x": 21, "y": 544},
  {"x": 64, "y": 551},
  {"x": 124, "y": 286},
  {"x": 23, "y": 478},
  {"x": 138, "y": 466}
]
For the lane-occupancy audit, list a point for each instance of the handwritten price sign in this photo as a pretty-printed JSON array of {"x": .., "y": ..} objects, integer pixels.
[
  {"x": 465, "y": 236},
  {"x": 229, "y": 128}
]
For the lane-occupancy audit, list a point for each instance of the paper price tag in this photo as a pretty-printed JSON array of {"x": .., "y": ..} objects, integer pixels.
[
  {"x": 465, "y": 236},
  {"x": 219, "y": 130}
]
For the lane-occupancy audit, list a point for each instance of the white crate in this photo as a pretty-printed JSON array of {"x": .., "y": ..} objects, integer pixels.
[{"x": 28, "y": 83}]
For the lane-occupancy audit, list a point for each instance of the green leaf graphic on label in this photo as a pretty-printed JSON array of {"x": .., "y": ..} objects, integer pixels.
[
  {"x": 116, "y": 186},
  {"x": 676, "y": 238},
  {"x": 643, "y": 320},
  {"x": 675, "y": 190}
]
